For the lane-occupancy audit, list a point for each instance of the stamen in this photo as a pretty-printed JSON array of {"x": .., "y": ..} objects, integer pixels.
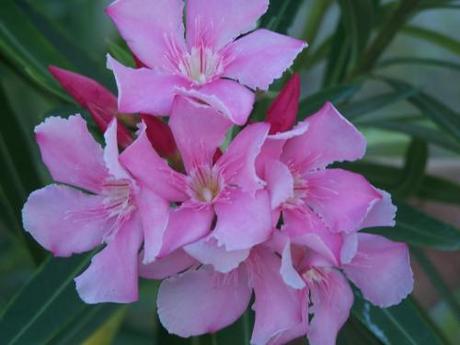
[
  {"x": 201, "y": 64},
  {"x": 205, "y": 184}
]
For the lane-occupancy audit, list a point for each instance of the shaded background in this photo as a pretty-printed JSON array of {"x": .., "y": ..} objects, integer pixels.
[{"x": 413, "y": 126}]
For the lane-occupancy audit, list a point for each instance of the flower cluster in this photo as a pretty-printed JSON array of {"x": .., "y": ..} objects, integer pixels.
[{"x": 217, "y": 217}]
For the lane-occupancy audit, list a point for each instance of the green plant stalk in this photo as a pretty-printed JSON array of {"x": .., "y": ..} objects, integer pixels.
[
  {"x": 437, "y": 281},
  {"x": 310, "y": 31},
  {"x": 386, "y": 35}
]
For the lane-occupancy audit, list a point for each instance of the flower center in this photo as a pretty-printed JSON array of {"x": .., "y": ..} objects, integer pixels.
[
  {"x": 201, "y": 65},
  {"x": 118, "y": 198},
  {"x": 300, "y": 191},
  {"x": 204, "y": 184}
]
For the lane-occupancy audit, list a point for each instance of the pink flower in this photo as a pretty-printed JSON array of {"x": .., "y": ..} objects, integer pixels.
[
  {"x": 209, "y": 63},
  {"x": 310, "y": 195},
  {"x": 380, "y": 269},
  {"x": 108, "y": 207},
  {"x": 226, "y": 197},
  {"x": 219, "y": 299}
]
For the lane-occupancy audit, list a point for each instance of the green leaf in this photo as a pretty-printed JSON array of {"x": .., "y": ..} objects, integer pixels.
[
  {"x": 404, "y": 324},
  {"x": 434, "y": 37},
  {"x": 414, "y": 169},
  {"x": 419, "y": 61},
  {"x": 280, "y": 15},
  {"x": 355, "y": 333},
  {"x": 45, "y": 305},
  {"x": 419, "y": 229},
  {"x": 334, "y": 94}
]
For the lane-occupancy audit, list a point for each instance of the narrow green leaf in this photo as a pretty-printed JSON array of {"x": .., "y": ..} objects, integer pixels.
[
  {"x": 355, "y": 333},
  {"x": 404, "y": 324},
  {"x": 46, "y": 304},
  {"x": 419, "y": 229},
  {"x": 280, "y": 15},
  {"x": 434, "y": 37},
  {"x": 419, "y": 61}
]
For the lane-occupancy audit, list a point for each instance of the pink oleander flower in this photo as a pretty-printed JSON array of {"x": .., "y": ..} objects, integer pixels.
[
  {"x": 209, "y": 62},
  {"x": 95, "y": 201},
  {"x": 222, "y": 202},
  {"x": 102, "y": 105},
  {"x": 379, "y": 267}
]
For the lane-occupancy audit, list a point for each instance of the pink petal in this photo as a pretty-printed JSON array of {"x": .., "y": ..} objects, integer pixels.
[
  {"x": 145, "y": 90},
  {"x": 382, "y": 214},
  {"x": 152, "y": 171},
  {"x": 330, "y": 138},
  {"x": 237, "y": 164},
  {"x": 266, "y": 52},
  {"x": 64, "y": 220},
  {"x": 217, "y": 22},
  {"x": 198, "y": 132},
  {"x": 243, "y": 221},
  {"x": 152, "y": 29},
  {"x": 112, "y": 275},
  {"x": 290, "y": 276},
  {"x": 349, "y": 247},
  {"x": 203, "y": 301},
  {"x": 280, "y": 183},
  {"x": 381, "y": 269},
  {"x": 168, "y": 266},
  {"x": 278, "y": 307},
  {"x": 94, "y": 97},
  {"x": 71, "y": 153},
  {"x": 208, "y": 252},
  {"x": 342, "y": 199},
  {"x": 154, "y": 213},
  {"x": 231, "y": 99},
  {"x": 111, "y": 152},
  {"x": 331, "y": 308},
  {"x": 282, "y": 113},
  {"x": 186, "y": 225}
]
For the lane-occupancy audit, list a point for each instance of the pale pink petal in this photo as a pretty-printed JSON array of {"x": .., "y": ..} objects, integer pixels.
[
  {"x": 382, "y": 214},
  {"x": 208, "y": 252},
  {"x": 198, "y": 132},
  {"x": 216, "y": 22},
  {"x": 266, "y": 52},
  {"x": 168, "y": 266},
  {"x": 278, "y": 307},
  {"x": 243, "y": 221},
  {"x": 152, "y": 171},
  {"x": 229, "y": 98},
  {"x": 154, "y": 213},
  {"x": 237, "y": 164},
  {"x": 280, "y": 183},
  {"x": 349, "y": 247},
  {"x": 332, "y": 301},
  {"x": 111, "y": 152},
  {"x": 145, "y": 90},
  {"x": 342, "y": 198},
  {"x": 153, "y": 30},
  {"x": 330, "y": 138},
  {"x": 290, "y": 276},
  {"x": 186, "y": 225},
  {"x": 112, "y": 275},
  {"x": 71, "y": 153},
  {"x": 381, "y": 269},
  {"x": 203, "y": 301},
  {"x": 64, "y": 220}
]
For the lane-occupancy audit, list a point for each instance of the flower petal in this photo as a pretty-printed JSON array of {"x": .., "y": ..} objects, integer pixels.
[
  {"x": 331, "y": 308},
  {"x": 383, "y": 213},
  {"x": 112, "y": 275},
  {"x": 381, "y": 269},
  {"x": 237, "y": 164},
  {"x": 168, "y": 266},
  {"x": 290, "y": 276},
  {"x": 208, "y": 252},
  {"x": 71, "y": 153},
  {"x": 64, "y": 220},
  {"x": 202, "y": 301},
  {"x": 342, "y": 199},
  {"x": 330, "y": 138},
  {"x": 266, "y": 52},
  {"x": 152, "y": 29},
  {"x": 152, "y": 171},
  {"x": 278, "y": 307},
  {"x": 217, "y": 22},
  {"x": 111, "y": 152},
  {"x": 145, "y": 90},
  {"x": 231, "y": 99},
  {"x": 280, "y": 183},
  {"x": 243, "y": 221},
  {"x": 186, "y": 225},
  {"x": 198, "y": 131}
]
